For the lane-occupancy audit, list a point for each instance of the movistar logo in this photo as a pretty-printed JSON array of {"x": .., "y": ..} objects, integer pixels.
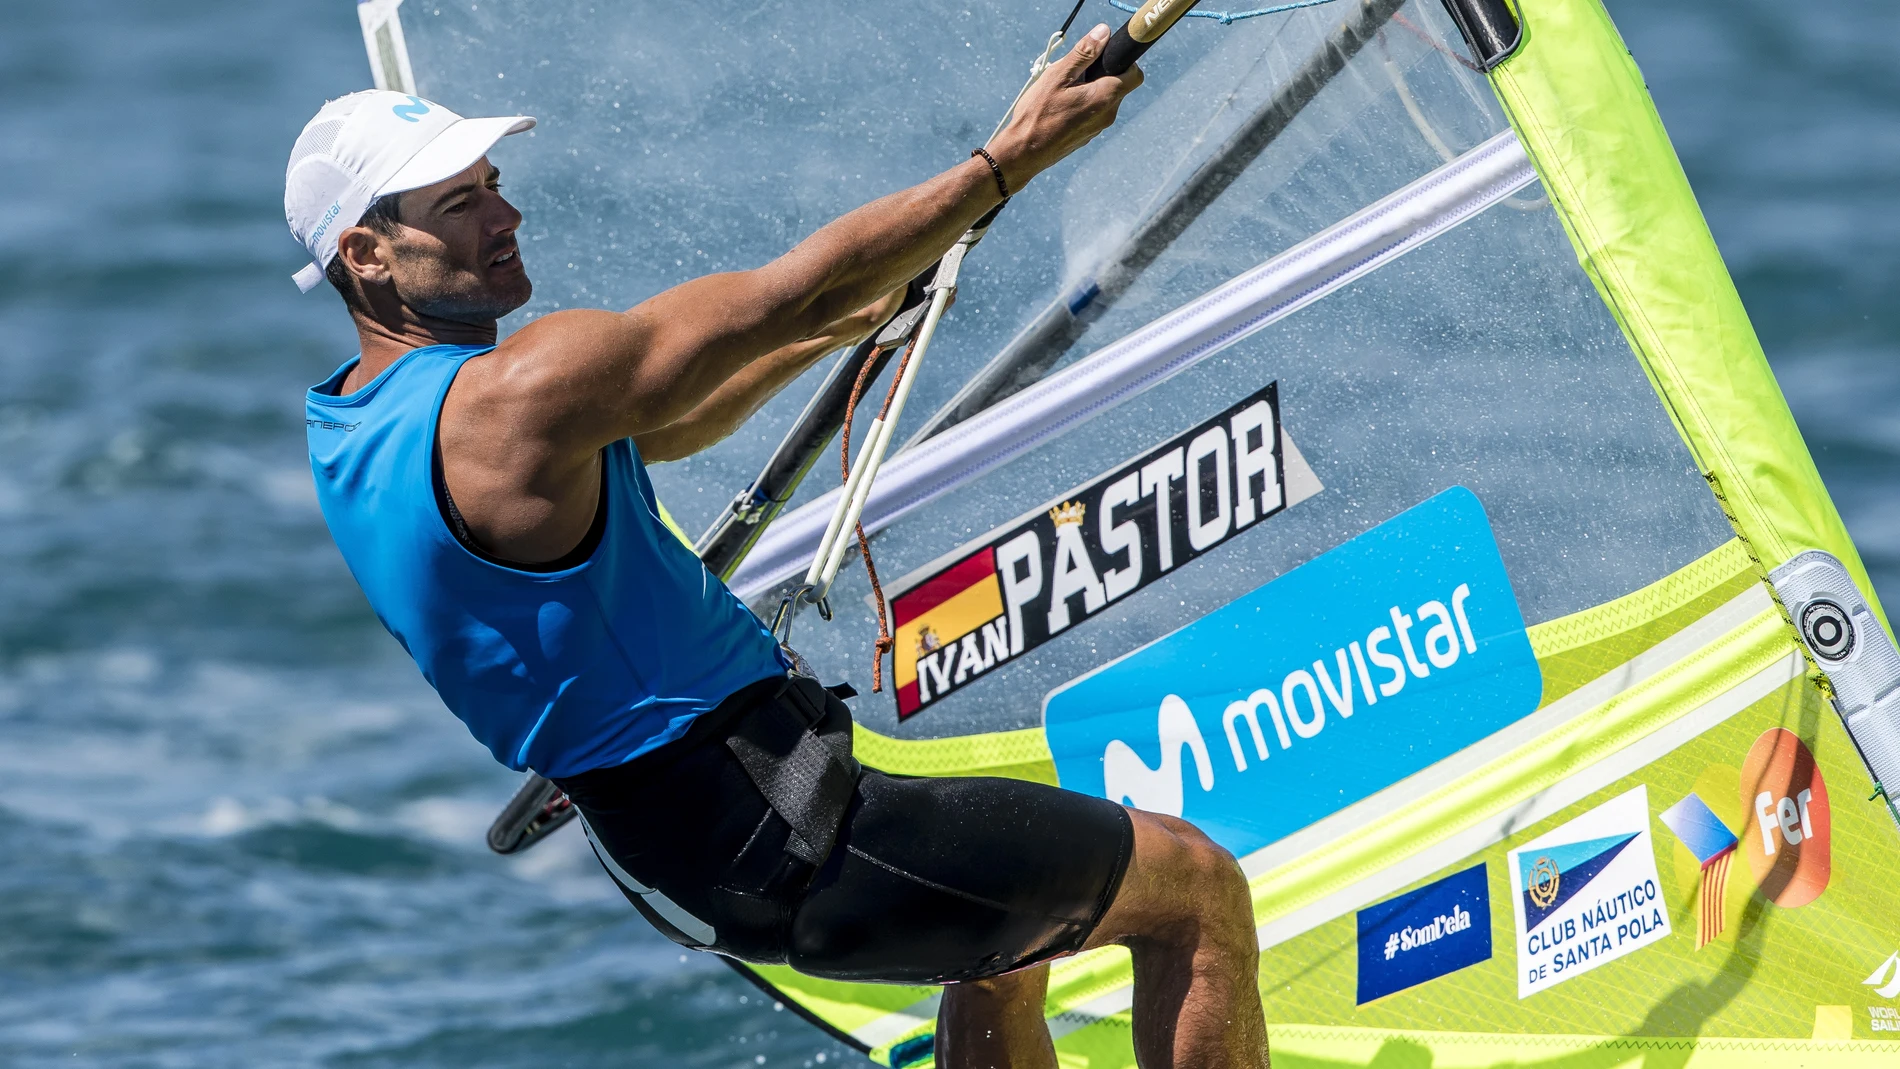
[
  {"x": 1297, "y": 709},
  {"x": 412, "y": 111},
  {"x": 336, "y": 208},
  {"x": 1159, "y": 790}
]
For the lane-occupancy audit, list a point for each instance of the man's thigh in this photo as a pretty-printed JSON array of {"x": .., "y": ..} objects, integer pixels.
[
  {"x": 936, "y": 880},
  {"x": 931, "y": 880}
]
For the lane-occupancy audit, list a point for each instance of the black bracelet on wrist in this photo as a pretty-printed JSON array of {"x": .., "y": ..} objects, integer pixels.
[{"x": 1002, "y": 186}]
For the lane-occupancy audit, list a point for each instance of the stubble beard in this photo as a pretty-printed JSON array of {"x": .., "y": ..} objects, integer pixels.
[{"x": 469, "y": 301}]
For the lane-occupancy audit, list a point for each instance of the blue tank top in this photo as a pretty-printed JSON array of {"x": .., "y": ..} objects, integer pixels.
[{"x": 560, "y": 672}]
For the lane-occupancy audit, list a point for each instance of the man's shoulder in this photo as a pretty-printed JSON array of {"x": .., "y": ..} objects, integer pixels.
[
  {"x": 566, "y": 327},
  {"x": 558, "y": 363}
]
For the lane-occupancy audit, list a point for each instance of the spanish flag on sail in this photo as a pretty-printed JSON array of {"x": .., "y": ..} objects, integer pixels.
[{"x": 949, "y": 629}]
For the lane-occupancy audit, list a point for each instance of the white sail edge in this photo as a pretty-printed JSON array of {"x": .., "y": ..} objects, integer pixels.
[{"x": 1348, "y": 250}]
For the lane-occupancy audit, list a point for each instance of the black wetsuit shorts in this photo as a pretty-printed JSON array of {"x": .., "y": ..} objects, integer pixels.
[{"x": 929, "y": 880}]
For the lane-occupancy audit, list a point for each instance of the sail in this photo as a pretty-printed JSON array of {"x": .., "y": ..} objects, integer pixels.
[{"x": 1415, "y": 512}]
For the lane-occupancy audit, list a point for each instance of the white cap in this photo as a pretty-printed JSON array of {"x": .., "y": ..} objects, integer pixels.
[{"x": 368, "y": 145}]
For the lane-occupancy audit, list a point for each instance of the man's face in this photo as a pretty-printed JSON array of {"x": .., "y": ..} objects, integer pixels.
[{"x": 455, "y": 255}]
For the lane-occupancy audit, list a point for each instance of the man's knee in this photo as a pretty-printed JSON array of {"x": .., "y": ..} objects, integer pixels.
[
  {"x": 1181, "y": 875},
  {"x": 1209, "y": 866},
  {"x": 1021, "y": 985}
]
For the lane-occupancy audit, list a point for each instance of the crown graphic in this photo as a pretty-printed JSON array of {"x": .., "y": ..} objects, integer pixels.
[
  {"x": 1068, "y": 512},
  {"x": 927, "y": 641}
]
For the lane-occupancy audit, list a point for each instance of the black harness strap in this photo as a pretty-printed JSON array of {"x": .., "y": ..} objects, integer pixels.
[{"x": 800, "y": 760}]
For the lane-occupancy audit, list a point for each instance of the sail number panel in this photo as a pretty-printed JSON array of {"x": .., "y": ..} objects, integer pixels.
[{"x": 1034, "y": 578}]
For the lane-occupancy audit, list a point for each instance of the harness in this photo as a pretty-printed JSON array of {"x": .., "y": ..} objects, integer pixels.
[
  {"x": 794, "y": 743},
  {"x": 800, "y": 760}
]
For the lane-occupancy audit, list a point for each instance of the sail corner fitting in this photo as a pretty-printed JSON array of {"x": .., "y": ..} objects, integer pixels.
[
  {"x": 1854, "y": 651},
  {"x": 1490, "y": 28}
]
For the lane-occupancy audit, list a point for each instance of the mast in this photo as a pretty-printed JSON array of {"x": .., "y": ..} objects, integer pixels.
[{"x": 388, "y": 52}]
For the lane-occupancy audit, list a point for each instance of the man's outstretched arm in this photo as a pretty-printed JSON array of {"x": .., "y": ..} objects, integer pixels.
[
  {"x": 744, "y": 393},
  {"x": 591, "y": 377}
]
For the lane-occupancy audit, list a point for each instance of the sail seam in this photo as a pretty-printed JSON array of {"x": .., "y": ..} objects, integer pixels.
[{"x": 1673, "y": 591}]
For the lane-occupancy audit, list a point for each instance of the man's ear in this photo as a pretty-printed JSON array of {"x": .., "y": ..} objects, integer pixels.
[{"x": 365, "y": 254}]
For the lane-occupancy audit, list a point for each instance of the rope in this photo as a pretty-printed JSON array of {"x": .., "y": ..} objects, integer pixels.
[
  {"x": 1038, "y": 67},
  {"x": 885, "y": 643},
  {"x": 1228, "y": 18},
  {"x": 851, "y": 410},
  {"x": 1433, "y": 41}
]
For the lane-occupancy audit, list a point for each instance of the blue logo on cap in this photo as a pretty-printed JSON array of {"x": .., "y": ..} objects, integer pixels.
[{"x": 412, "y": 111}]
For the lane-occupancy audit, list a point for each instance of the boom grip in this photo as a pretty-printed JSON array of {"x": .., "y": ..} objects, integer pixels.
[{"x": 1117, "y": 56}]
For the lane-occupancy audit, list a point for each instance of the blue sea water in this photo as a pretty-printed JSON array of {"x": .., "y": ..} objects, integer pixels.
[{"x": 235, "y": 828}]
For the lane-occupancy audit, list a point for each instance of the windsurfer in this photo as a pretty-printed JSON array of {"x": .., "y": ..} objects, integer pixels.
[{"x": 492, "y": 501}]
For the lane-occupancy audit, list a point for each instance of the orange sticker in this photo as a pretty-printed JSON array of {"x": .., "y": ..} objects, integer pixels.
[{"x": 1788, "y": 841}]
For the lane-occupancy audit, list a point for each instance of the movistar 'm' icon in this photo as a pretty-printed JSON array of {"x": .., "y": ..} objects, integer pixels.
[
  {"x": 412, "y": 111},
  {"x": 1158, "y": 790}
]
